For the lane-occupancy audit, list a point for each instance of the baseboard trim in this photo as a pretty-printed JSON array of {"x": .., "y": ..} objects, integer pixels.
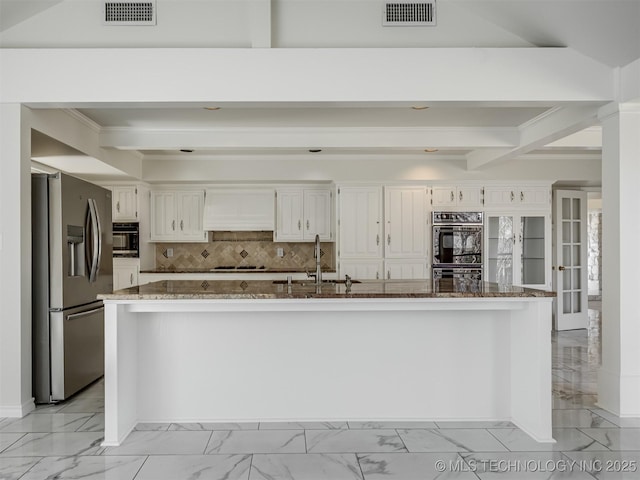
[{"x": 17, "y": 411}]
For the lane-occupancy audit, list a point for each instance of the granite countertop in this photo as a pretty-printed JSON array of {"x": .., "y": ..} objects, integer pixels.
[
  {"x": 268, "y": 289},
  {"x": 233, "y": 270}
]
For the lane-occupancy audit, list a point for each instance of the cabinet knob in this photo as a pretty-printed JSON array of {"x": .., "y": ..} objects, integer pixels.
[
  {"x": 131, "y": 279},
  {"x": 388, "y": 274},
  {"x": 512, "y": 196},
  {"x": 522, "y": 196},
  {"x": 377, "y": 275}
]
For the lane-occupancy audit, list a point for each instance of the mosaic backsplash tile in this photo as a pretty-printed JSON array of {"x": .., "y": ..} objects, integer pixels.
[{"x": 237, "y": 249}]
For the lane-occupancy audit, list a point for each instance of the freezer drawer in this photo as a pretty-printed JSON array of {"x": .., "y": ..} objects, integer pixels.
[{"x": 77, "y": 349}]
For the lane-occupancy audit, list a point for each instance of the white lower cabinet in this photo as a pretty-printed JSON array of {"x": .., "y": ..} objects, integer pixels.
[
  {"x": 361, "y": 269},
  {"x": 405, "y": 269},
  {"x": 125, "y": 272}
]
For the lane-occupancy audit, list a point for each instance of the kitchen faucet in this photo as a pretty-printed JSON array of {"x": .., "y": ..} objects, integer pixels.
[{"x": 316, "y": 253}]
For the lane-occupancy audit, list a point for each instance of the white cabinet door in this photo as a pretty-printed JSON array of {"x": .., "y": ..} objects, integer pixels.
[
  {"x": 176, "y": 216},
  {"x": 405, "y": 222},
  {"x": 289, "y": 215},
  {"x": 469, "y": 196},
  {"x": 406, "y": 269},
  {"x": 163, "y": 216},
  {"x": 360, "y": 222},
  {"x": 443, "y": 196},
  {"x": 125, "y": 272},
  {"x": 518, "y": 196},
  {"x": 361, "y": 269},
  {"x": 499, "y": 196},
  {"x": 124, "y": 203},
  {"x": 189, "y": 209},
  {"x": 535, "y": 196},
  {"x": 317, "y": 214}
]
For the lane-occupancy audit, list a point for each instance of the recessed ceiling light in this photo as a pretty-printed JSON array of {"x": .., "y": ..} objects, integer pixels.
[
  {"x": 186, "y": 150},
  {"x": 419, "y": 107},
  {"x": 430, "y": 150},
  {"x": 315, "y": 150},
  {"x": 212, "y": 108}
]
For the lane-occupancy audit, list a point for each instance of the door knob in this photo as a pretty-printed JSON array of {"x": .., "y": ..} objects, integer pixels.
[{"x": 561, "y": 268}]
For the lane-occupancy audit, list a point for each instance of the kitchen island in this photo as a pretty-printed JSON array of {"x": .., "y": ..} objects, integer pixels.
[{"x": 238, "y": 350}]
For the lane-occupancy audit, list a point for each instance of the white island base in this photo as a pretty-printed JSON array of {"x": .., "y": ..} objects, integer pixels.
[{"x": 411, "y": 359}]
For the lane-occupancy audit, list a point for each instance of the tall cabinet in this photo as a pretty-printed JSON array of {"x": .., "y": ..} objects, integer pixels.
[{"x": 382, "y": 232}]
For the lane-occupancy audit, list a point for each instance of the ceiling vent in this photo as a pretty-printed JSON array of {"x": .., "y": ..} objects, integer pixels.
[
  {"x": 129, "y": 13},
  {"x": 404, "y": 14}
]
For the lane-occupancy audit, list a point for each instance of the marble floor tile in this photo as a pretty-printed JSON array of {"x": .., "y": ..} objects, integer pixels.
[
  {"x": 567, "y": 439},
  {"x": 609, "y": 465},
  {"x": 475, "y": 424},
  {"x": 161, "y": 443},
  {"x": 152, "y": 427},
  {"x": 47, "y": 423},
  {"x": 450, "y": 440},
  {"x": 214, "y": 426},
  {"x": 311, "y": 466},
  {"x": 618, "y": 421},
  {"x": 12, "y": 468},
  {"x": 257, "y": 441},
  {"x": 55, "y": 444},
  {"x": 7, "y": 439},
  {"x": 86, "y": 468},
  {"x": 303, "y": 425},
  {"x": 524, "y": 466},
  {"x": 49, "y": 408},
  {"x": 195, "y": 467},
  {"x": 94, "y": 424},
  {"x": 574, "y": 401},
  {"x": 578, "y": 418},
  {"x": 392, "y": 424},
  {"x": 84, "y": 405},
  {"x": 414, "y": 466},
  {"x": 353, "y": 441},
  {"x": 616, "y": 438}
]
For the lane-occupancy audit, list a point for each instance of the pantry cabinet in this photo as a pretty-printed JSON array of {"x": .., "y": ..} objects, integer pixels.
[
  {"x": 124, "y": 203},
  {"x": 303, "y": 213},
  {"x": 176, "y": 216},
  {"x": 360, "y": 222},
  {"x": 126, "y": 272},
  {"x": 463, "y": 196},
  {"x": 405, "y": 222}
]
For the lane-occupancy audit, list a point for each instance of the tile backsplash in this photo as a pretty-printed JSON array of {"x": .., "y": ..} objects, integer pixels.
[{"x": 235, "y": 249}]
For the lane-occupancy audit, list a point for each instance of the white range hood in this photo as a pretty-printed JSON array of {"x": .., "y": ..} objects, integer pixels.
[{"x": 239, "y": 209}]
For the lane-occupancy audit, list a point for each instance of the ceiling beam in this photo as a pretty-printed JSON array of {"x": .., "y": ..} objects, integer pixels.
[
  {"x": 260, "y": 23},
  {"x": 547, "y": 128},
  {"x": 303, "y": 137}
]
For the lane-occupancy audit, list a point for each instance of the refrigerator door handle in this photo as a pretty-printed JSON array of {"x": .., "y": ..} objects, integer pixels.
[
  {"x": 95, "y": 245},
  {"x": 73, "y": 316}
]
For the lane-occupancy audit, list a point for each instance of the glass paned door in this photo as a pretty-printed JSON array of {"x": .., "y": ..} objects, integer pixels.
[
  {"x": 532, "y": 250},
  {"x": 500, "y": 244},
  {"x": 571, "y": 310}
]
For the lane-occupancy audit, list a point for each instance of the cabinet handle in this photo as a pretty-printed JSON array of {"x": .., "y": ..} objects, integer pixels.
[
  {"x": 307, "y": 224},
  {"x": 512, "y": 196},
  {"x": 131, "y": 279},
  {"x": 118, "y": 206},
  {"x": 378, "y": 239},
  {"x": 522, "y": 196},
  {"x": 299, "y": 225},
  {"x": 181, "y": 224},
  {"x": 452, "y": 196},
  {"x": 173, "y": 225},
  {"x": 388, "y": 274},
  {"x": 388, "y": 239},
  {"x": 377, "y": 275},
  {"x": 460, "y": 195}
]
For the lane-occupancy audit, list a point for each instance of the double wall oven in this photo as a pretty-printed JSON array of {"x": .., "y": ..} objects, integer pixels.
[{"x": 457, "y": 250}]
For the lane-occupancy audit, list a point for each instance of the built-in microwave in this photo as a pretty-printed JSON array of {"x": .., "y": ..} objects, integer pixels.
[{"x": 125, "y": 240}]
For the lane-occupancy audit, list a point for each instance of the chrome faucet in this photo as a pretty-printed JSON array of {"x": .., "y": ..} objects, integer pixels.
[{"x": 316, "y": 253}]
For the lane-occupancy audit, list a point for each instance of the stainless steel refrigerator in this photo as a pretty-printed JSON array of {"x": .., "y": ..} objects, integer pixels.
[{"x": 72, "y": 264}]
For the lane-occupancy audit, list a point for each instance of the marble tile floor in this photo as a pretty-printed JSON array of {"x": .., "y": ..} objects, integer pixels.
[{"x": 62, "y": 442}]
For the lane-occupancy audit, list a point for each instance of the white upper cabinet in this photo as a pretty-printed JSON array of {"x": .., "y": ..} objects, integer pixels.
[
  {"x": 462, "y": 196},
  {"x": 176, "y": 216},
  {"x": 124, "y": 203},
  {"x": 405, "y": 222},
  {"x": 301, "y": 213},
  {"x": 523, "y": 196},
  {"x": 360, "y": 223}
]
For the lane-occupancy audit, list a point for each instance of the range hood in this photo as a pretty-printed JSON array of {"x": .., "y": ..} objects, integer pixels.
[{"x": 235, "y": 210}]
